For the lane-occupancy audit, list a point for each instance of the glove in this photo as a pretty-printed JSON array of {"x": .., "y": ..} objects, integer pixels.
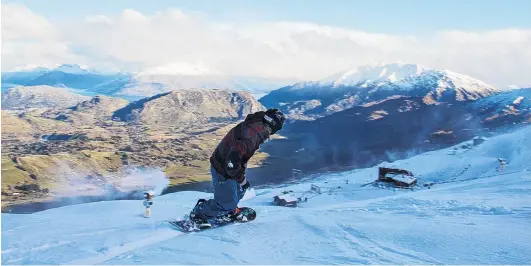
[{"x": 245, "y": 184}]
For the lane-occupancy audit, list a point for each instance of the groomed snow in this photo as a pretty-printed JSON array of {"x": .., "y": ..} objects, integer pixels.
[{"x": 477, "y": 217}]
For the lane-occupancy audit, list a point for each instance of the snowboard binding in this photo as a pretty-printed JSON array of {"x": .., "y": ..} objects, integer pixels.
[{"x": 196, "y": 218}]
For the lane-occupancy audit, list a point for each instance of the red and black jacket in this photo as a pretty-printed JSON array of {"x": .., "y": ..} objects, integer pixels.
[{"x": 238, "y": 146}]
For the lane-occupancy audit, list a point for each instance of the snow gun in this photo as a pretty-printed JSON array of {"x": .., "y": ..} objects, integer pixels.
[{"x": 148, "y": 201}]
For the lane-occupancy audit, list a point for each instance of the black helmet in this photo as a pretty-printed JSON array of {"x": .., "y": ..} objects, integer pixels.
[{"x": 275, "y": 119}]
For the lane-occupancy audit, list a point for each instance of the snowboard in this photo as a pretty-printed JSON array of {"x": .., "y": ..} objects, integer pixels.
[{"x": 245, "y": 214}]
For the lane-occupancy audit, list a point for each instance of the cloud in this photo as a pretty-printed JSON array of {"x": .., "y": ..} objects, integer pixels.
[
  {"x": 500, "y": 57},
  {"x": 174, "y": 39},
  {"x": 99, "y": 19},
  {"x": 134, "y": 16},
  {"x": 30, "y": 39},
  {"x": 20, "y": 23}
]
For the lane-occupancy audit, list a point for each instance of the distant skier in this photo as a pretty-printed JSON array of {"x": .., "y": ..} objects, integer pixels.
[{"x": 228, "y": 164}]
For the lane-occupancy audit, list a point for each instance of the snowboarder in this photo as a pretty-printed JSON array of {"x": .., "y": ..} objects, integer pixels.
[{"x": 228, "y": 164}]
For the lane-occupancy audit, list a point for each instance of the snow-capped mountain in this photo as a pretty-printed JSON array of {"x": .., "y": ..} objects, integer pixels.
[
  {"x": 137, "y": 85},
  {"x": 31, "y": 68},
  {"x": 406, "y": 76},
  {"x": 472, "y": 214},
  {"x": 35, "y": 71},
  {"x": 73, "y": 69},
  {"x": 374, "y": 83},
  {"x": 66, "y": 75},
  {"x": 21, "y": 76}
]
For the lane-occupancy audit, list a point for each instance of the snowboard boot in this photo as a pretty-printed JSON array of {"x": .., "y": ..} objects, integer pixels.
[{"x": 197, "y": 217}]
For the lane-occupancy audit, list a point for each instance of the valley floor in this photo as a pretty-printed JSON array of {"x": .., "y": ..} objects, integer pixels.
[{"x": 479, "y": 216}]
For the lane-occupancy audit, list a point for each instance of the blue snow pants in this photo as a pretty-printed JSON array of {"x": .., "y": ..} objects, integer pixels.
[{"x": 227, "y": 194}]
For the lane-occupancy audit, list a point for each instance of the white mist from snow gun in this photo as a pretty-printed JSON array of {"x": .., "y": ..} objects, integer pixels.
[{"x": 144, "y": 179}]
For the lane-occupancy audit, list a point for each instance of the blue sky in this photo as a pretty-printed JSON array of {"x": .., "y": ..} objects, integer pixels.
[{"x": 381, "y": 16}]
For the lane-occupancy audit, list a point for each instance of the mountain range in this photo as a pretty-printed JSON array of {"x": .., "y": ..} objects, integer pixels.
[
  {"x": 370, "y": 84},
  {"x": 134, "y": 86}
]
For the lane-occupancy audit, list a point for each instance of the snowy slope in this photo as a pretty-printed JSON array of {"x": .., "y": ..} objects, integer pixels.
[{"x": 477, "y": 217}]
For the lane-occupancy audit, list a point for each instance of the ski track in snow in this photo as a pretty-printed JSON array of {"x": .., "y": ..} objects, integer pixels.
[
  {"x": 117, "y": 251},
  {"x": 479, "y": 216}
]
